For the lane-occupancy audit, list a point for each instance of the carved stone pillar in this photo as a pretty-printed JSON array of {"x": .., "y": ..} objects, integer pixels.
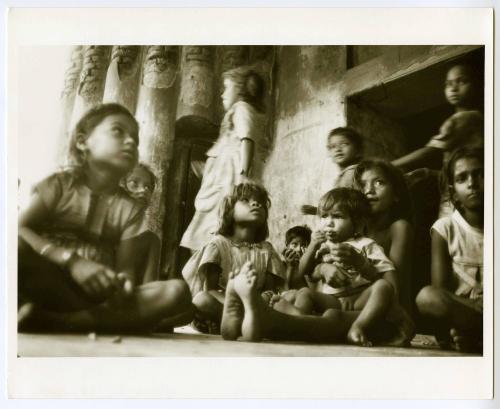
[
  {"x": 68, "y": 94},
  {"x": 197, "y": 83},
  {"x": 92, "y": 79},
  {"x": 122, "y": 80},
  {"x": 156, "y": 116}
]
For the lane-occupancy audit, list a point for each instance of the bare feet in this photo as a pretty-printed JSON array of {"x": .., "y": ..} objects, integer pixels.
[
  {"x": 404, "y": 327},
  {"x": 463, "y": 342},
  {"x": 232, "y": 313},
  {"x": 245, "y": 287},
  {"x": 357, "y": 336}
]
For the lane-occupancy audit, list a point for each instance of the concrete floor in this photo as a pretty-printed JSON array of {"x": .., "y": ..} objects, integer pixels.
[{"x": 185, "y": 342}]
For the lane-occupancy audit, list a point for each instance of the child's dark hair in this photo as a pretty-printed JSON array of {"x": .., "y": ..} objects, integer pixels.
[
  {"x": 247, "y": 190},
  {"x": 250, "y": 86},
  {"x": 402, "y": 207},
  {"x": 302, "y": 232},
  {"x": 348, "y": 200},
  {"x": 473, "y": 152},
  {"x": 87, "y": 123},
  {"x": 354, "y": 136}
]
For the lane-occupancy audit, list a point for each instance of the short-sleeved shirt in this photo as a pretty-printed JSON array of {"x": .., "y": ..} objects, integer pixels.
[
  {"x": 374, "y": 254},
  {"x": 346, "y": 177},
  {"x": 465, "y": 246},
  {"x": 462, "y": 128},
  {"x": 89, "y": 223},
  {"x": 231, "y": 256}
]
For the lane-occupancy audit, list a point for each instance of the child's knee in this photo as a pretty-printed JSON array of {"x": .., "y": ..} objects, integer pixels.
[
  {"x": 429, "y": 298},
  {"x": 203, "y": 300},
  {"x": 177, "y": 291},
  {"x": 383, "y": 287},
  {"x": 303, "y": 292}
]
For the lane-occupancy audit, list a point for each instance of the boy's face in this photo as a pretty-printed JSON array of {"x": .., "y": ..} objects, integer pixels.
[
  {"x": 297, "y": 244},
  {"x": 337, "y": 225},
  {"x": 468, "y": 183},
  {"x": 342, "y": 150},
  {"x": 458, "y": 87},
  {"x": 140, "y": 186}
]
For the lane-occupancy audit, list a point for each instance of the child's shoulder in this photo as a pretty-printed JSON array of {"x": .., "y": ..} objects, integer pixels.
[
  {"x": 65, "y": 179},
  {"x": 400, "y": 226}
]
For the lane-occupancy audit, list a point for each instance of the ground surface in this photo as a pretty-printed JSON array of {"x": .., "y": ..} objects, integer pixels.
[{"x": 187, "y": 343}]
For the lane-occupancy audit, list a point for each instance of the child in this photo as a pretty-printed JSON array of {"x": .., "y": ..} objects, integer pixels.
[
  {"x": 351, "y": 277},
  {"x": 390, "y": 221},
  {"x": 297, "y": 239},
  {"x": 241, "y": 237},
  {"x": 454, "y": 300},
  {"x": 237, "y": 155},
  {"x": 465, "y": 126},
  {"x": 78, "y": 239},
  {"x": 345, "y": 146},
  {"x": 140, "y": 185}
]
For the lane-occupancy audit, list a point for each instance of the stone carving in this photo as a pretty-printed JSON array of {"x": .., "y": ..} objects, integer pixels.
[
  {"x": 72, "y": 75},
  {"x": 198, "y": 76},
  {"x": 92, "y": 77},
  {"x": 126, "y": 57},
  {"x": 234, "y": 56},
  {"x": 160, "y": 66}
]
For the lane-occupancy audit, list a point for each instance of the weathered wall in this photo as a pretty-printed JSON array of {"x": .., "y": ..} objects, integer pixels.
[{"x": 308, "y": 103}]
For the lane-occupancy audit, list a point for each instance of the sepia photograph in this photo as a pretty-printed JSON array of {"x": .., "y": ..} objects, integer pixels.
[{"x": 253, "y": 200}]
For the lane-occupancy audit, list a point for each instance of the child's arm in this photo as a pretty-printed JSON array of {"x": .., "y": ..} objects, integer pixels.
[
  {"x": 308, "y": 260},
  {"x": 247, "y": 146},
  {"x": 211, "y": 271},
  {"x": 94, "y": 278},
  {"x": 400, "y": 252},
  {"x": 419, "y": 158},
  {"x": 441, "y": 261}
]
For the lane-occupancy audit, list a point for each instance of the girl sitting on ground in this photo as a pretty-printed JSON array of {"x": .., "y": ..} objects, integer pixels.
[
  {"x": 241, "y": 237},
  {"x": 454, "y": 300},
  {"x": 77, "y": 260}
]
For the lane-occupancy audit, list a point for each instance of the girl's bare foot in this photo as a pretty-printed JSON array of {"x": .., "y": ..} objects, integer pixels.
[
  {"x": 404, "y": 327},
  {"x": 466, "y": 343},
  {"x": 245, "y": 286},
  {"x": 357, "y": 336},
  {"x": 232, "y": 313}
]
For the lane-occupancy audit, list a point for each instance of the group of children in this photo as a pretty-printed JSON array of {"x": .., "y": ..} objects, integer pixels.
[{"x": 86, "y": 257}]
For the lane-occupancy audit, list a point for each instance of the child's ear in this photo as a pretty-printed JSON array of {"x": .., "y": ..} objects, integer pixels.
[{"x": 81, "y": 143}]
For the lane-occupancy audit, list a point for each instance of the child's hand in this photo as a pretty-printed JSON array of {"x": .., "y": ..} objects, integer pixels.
[
  {"x": 345, "y": 254},
  {"x": 291, "y": 256},
  {"x": 333, "y": 275},
  {"x": 317, "y": 237},
  {"x": 96, "y": 279}
]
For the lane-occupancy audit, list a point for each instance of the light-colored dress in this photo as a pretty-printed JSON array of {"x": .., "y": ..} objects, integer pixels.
[
  {"x": 231, "y": 256},
  {"x": 375, "y": 255},
  {"x": 223, "y": 168},
  {"x": 92, "y": 225},
  {"x": 465, "y": 246}
]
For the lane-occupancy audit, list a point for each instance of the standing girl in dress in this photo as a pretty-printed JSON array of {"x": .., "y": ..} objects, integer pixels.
[
  {"x": 77, "y": 241},
  {"x": 236, "y": 156},
  {"x": 241, "y": 238}
]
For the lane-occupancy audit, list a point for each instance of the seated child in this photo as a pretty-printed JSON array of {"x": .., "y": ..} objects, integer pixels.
[
  {"x": 140, "y": 185},
  {"x": 345, "y": 146},
  {"x": 297, "y": 239},
  {"x": 79, "y": 236},
  {"x": 241, "y": 237},
  {"x": 454, "y": 300},
  {"x": 354, "y": 271}
]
